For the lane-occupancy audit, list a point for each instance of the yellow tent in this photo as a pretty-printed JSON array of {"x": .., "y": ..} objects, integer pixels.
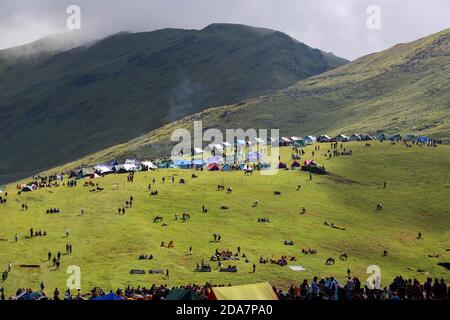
[{"x": 258, "y": 291}]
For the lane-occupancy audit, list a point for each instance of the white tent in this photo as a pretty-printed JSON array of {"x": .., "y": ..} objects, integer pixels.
[
  {"x": 103, "y": 168},
  {"x": 132, "y": 161},
  {"x": 126, "y": 167},
  {"x": 212, "y": 147},
  {"x": 226, "y": 145},
  {"x": 341, "y": 138},
  {"x": 198, "y": 151},
  {"x": 259, "y": 141},
  {"x": 148, "y": 165}
]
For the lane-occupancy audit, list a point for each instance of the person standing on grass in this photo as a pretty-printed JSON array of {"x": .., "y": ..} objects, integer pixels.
[
  {"x": 16, "y": 237},
  {"x": 167, "y": 273},
  {"x": 9, "y": 266},
  {"x": 67, "y": 232},
  {"x": 315, "y": 288},
  {"x": 254, "y": 267},
  {"x": 56, "y": 294},
  {"x": 42, "y": 286}
]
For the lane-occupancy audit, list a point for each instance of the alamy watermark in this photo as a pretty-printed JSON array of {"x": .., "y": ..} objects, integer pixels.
[
  {"x": 73, "y": 21},
  {"x": 373, "y": 21},
  {"x": 374, "y": 280},
  {"x": 74, "y": 280}
]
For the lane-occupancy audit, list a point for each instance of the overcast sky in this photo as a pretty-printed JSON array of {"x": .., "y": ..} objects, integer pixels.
[{"x": 338, "y": 26}]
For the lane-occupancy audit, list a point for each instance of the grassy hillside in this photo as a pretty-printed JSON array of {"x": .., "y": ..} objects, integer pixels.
[
  {"x": 76, "y": 102},
  {"x": 106, "y": 245},
  {"x": 405, "y": 89}
]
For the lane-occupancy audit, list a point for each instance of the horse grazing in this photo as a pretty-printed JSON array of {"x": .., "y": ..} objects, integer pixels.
[
  {"x": 255, "y": 203},
  {"x": 220, "y": 187},
  {"x": 230, "y": 190},
  {"x": 330, "y": 261},
  {"x": 277, "y": 193},
  {"x": 158, "y": 219},
  {"x": 344, "y": 256},
  {"x": 379, "y": 207}
]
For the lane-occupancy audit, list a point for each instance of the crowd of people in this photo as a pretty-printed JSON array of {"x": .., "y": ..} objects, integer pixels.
[{"x": 318, "y": 289}]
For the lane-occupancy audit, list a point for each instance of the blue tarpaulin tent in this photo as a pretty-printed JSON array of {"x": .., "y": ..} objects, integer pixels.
[
  {"x": 423, "y": 139},
  {"x": 110, "y": 296}
]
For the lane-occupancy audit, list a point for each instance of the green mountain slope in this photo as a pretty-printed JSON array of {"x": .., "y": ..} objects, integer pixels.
[
  {"x": 404, "y": 89},
  {"x": 76, "y": 102}
]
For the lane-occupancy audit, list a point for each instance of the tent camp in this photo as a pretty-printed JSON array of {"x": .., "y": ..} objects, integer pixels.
[
  {"x": 258, "y": 291},
  {"x": 226, "y": 145},
  {"x": 28, "y": 188},
  {"x": 423, "y": 139},
  {"x": 241, "y": 143},
  {"x": 313, "y": 167},
  {"x": 104, "y": 168},
  {"x": 310, "y": 139},
  {"x": 300, "y": 143},
  {"x": 215, "y": 147},
  {"x": 355, "y": 137},
  {"x": 397, "y": 137},
  {"x": 264, "y": 166},
  {"x": 215, "y": 160},
  {"x": 165, "y": 164},
  {"x": 324, "y": 138},
  {"x": 182, "y": 294},
  {"x": 259, "y": 141},
  {"x": 199, "y": 163},
  {"x": 382, "y": 137},
  {"x": 196, "y": 151},
  {"x": 126, "y": 167},
  {"x": 214, "y": 167},
  {"x": 113, "y": 162},
  {"x": 254, "y": 156},
  {"x": 294, "y": 138},
  {"x": 226, "y": 167},
  {"x": 285, "y": 141},
  {"x": 341, "y": 138},
  {"x": 29, "y": 296},
  {"x": 273, "y": 142},
  {"x": 183, "y": 164},
  {"x": 148, "y": 165},
  {"x": 366, "y": 137},
  {"x": 108, "y": 297},
  {"x": 410, "y": 138}
]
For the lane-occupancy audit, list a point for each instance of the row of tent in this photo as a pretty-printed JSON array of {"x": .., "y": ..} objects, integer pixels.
[
  {"x": 307, "y": 140},
  {"x": 113, "y": 166},
  {"x": 380, "y": 137},
  {"x": 216, "y": 162}
]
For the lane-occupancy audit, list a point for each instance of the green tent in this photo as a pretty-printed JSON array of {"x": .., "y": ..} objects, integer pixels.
[{"x": 182, "y": 294}]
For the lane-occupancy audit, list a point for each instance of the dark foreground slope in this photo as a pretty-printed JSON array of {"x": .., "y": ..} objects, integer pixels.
[{"x": 63, "y": 106}]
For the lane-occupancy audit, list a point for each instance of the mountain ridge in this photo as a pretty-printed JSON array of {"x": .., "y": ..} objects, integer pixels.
[
  {"x": 82, "y": 100},
  {"x": 404, "y": 89}
]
